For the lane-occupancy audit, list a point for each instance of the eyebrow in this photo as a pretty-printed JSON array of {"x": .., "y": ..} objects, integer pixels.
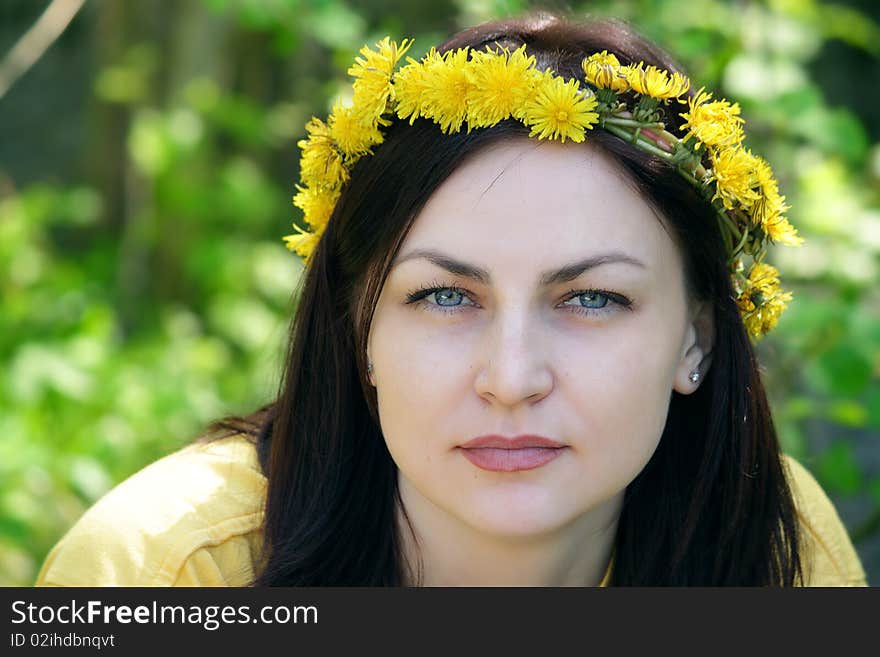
[{"x": 564, "y": 274}]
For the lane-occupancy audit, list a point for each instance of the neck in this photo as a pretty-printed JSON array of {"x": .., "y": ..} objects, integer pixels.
[{"x": 452, "y": 553}]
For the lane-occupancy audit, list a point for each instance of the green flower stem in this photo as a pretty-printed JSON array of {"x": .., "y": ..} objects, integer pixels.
[
  {"x": 725, "y": 219},
  {"x": 631, "y": 123},
  {"x": 696, "y": 183},
  {"x": 641, "y": 143},
  {"x": 671, "y": 140},
  {"x": 657, "y": 128},
  {"x": 668, "y": 136},
  {"x": 729, "y": 224},
  {"x": 657, "y": 141},
  {"x": 739, "y": 246}
]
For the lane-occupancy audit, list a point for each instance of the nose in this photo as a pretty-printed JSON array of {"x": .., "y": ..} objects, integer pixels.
[{"x": 513, "y": 367}]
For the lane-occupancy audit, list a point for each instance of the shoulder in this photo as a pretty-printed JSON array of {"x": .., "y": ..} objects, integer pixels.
[
  {"x": 828, "y": 555},
  {"x": 191, "y": 518}
]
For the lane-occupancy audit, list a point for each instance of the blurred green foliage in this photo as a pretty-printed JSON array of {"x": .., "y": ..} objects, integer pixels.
[{"x": 146, "y": 290}]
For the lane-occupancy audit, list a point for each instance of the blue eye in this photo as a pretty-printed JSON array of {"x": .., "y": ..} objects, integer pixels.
[
  {"x": 449, "y": 299},
  {"x": 592, "y": 299},
  {"x": 447, "y": 296}
]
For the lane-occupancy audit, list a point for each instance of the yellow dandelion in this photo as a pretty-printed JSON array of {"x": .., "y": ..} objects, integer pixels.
[
  {"x": 316, "y": 203},
  {"x": 734, "y": 173},
  {"x": 372, "y": 93},
  {"x": 321, "y": 163},
  {"x": 769, "y": 208},
  {"x": 499, "y": 85},
  {"x": 782, "y": 232},
  {"x": 444, "y": 99},
  {"x": 762, "y": 300},
  {"x": 715, "y": 123},
  {"x": 364, "y": 112},
  {"x": 410, "y": 84},
  {"x": 373, "y": 72},
  {"x": 655, "y": 82},
  {"x": 303, "y": 242},
  {"x": 559, "y": 111},
  {"x": 604, "y": 58},
  {"x": 372, "y": 102},
  {"x": 355, "y": 134},
  {"x": 383, "y": 60},
  {"x": 604, "y": 70}
]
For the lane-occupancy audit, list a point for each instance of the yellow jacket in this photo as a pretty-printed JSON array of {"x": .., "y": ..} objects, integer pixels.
[{"x": 194, "y": 518}]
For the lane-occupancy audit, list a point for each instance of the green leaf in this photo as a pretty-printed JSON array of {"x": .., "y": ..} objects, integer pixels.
[
  {"x": 841, "y": 371},
  {"x": 799, "y": 407},
  {"x": 843, "y": 134},
  {"x": 797, "y": 101},
  {"x": 838, "y": 469},
  {"x": 848, "y": 413}
]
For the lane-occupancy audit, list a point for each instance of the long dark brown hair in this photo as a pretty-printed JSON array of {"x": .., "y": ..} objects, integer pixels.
[{"x": 712, "y": 506}]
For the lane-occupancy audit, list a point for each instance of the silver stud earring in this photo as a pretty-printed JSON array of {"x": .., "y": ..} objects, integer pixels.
[
  {"x": 369, "y": 367},
  {"x": 694, "y": 376}
]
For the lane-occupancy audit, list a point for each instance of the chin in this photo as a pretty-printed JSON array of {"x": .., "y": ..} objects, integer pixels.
[
  {"x": 513, "y": 530},
  {"x": 510, "y": 521}
]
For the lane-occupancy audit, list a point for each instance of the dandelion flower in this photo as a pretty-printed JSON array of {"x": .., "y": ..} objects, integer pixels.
[
  {"x": 733, "y": 170},
  {"x": 321, "y": 163},
  {"x": 769, "y": 209},
  {"x": 603, "y": 70},
  {"x": 559, "y": 110},
  {"x": 499, "y": 84},
  {"x": 354, "y": 133},
  {"x": 715, "y": 123},
  {"x": 373, "y": 72},
  {"x": 762, "y": 300},
  {"x": 411, "y": 83},
  {"x": 303, "y": 243},
  {"x": 782, "y": 232},
  {"x": 655, "y": 82},
  {"x": 603, "y": 58},
  {"x": 316, "y": 203},
  {"x": 444, "y": 98}
]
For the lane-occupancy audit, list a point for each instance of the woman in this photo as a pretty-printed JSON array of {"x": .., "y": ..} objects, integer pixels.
[{"x": 521, "y": 353}]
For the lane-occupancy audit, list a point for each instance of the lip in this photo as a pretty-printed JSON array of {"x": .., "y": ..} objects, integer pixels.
[
  {"x": 501, "y": 454},
  {"x": 515, "y": 442}
]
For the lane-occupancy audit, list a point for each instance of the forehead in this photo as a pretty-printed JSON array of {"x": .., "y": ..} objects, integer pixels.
[{"x": 530, "y": 204}]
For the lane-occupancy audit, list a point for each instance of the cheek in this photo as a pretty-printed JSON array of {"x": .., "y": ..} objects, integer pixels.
[
  {"x": 622, "y": 389},
  {"x": 421, "y": 379},
  {"x": 416, "y": 367}
]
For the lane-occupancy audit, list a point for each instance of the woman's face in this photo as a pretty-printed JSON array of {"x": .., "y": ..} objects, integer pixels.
[{"x": 536, "y": 293}]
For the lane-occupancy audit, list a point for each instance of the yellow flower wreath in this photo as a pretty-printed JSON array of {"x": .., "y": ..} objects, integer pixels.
[{"x": 477, "y": 89}]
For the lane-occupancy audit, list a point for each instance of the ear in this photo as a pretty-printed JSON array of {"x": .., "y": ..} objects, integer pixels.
[{"x": 696, "y": 351}]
